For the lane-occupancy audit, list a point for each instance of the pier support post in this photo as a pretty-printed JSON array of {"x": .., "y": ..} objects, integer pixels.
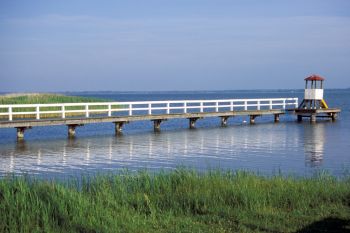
[
  {"x": 224, "y": 121},
  {"x": 192, "y": 122},
  {"x": 300, "y": 118},
  {"x": 313, "y": 118},
  {"x": 156, "y": 125},
  {"x": 277, "y": 118},
  {"x": 252, "y": 119},
  {"x": 334, "y": 116},
  {"x": 119, "y": 127},
  {"x": 71, "y": 130},
  {"x": 20, "y": 132}
]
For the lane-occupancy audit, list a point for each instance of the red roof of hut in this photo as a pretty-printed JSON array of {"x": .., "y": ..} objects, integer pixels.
[{"x": 314, "y": 77}]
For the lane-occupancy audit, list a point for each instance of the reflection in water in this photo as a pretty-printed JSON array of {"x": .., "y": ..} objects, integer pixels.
[
  {"x": 21, "y": 146},
  {"x": 64, "y": 154},
  {"x": 11, "y": 163},
  {"x": 87, "y": 158},
  {"x": 263, "y": 148},
  {"x": 314, "y": 138},
  {"x": 226, "y": 148},
  {"x": 39, "y": 157}
]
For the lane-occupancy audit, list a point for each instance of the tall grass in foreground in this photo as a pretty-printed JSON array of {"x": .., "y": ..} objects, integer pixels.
[{"x": 178, "y": 201}]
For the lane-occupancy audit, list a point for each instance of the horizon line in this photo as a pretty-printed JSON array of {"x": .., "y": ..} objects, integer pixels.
[{"x": 160, "y": 91}]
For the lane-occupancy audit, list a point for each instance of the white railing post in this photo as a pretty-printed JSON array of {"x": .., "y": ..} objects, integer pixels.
[
  {"x": 109, "y": 110},
  {"x": 37, "y": 112},
  {"x": 149, "y": 109},
  {"x": 296, "y": 102},
  {"x": 216, "y": 106},
  {"x": 10, "y": 113},
  {"x": 185, "y": 107},
  {"x": 201, "y": 107},
  {"x": 270, "y": 103},
  {"x": 130, "y": 109},
  {"x": 258, "y": 104},
  {"x": 87, "y": 110},
  {"x": 167, "y": 108},
  {"x": 284, "y": 103},
  {"x": 63, "y": 111},
  {"x": 245, "y": 105},
  {"x": 231, "y": 106}
]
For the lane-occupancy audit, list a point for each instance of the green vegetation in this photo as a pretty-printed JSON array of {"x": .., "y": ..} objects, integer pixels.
[
  {"x": 48, "y": 99},
  {"x": 45, "y": 99},
  {"x": 178, "y": 201}
]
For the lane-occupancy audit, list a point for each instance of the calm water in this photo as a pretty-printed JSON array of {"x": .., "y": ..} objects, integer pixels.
[{"x": 290, "y": 147}]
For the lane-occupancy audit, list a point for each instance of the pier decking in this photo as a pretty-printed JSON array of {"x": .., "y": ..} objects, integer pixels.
[
  {"x": 331, "y": 113},
  {"x": 26, "y": 116}
]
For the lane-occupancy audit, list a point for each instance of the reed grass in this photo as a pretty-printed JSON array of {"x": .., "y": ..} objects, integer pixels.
[
  {"x": 48, "y": 99},
  {"x": 45, "y": 99},
  {"x": 177, "y": 201}
]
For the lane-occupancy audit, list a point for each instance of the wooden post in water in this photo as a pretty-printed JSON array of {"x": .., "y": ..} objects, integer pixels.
[
  {"x": 277, "y": 118},
  {"x": 20, "y": 132},
  {"x": 313, "y": 118},
  {"x": 300, "y": 118},
  {"x": 157, "y": 125},
  {"x": 71, "y": 129},
  {"x": 334, "y": 116},
  {"x": 192, "y": 122},
  {"x": 252, "y": 119},
  {"x": 224, "y": 121},
  {"x": 119, "y": 127}
]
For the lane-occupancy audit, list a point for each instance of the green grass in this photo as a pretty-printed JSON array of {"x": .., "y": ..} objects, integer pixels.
[
  {"x": 178, "y": 201},
  {"x": 45, "y": 99},
  {"x": 49, "y": 99}
]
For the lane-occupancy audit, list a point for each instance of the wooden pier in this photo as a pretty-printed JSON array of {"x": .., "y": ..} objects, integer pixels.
[
  {"x": 312, "y": 114},
  {"x": 26, "y": 116}
]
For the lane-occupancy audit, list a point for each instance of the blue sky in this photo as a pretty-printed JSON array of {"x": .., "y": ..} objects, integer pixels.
[{"x": 157, "y": 45}]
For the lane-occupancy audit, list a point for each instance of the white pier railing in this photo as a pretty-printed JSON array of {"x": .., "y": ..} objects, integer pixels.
[{"x": 109, "y": 109}]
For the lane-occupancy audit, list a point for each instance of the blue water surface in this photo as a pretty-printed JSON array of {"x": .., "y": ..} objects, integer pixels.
[{"x": 289, "y": 147}]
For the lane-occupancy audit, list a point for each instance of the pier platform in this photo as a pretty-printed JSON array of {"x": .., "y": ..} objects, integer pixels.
[
  {"x": 313, "y": 114},
  {"x": 26, "y": 116}
]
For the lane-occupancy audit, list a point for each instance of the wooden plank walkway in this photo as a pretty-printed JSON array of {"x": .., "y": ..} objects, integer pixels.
[
  {"x": 91, "y": 120},
  {"x": 23, "y": 117}
]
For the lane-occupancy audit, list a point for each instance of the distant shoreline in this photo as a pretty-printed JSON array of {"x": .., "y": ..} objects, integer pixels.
[
  {"x": 162, "y": 91},
  {"x": 41, "y": 98},
  {"x": 44, "y": 98},
  {"x": 15, "y": 94}
]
